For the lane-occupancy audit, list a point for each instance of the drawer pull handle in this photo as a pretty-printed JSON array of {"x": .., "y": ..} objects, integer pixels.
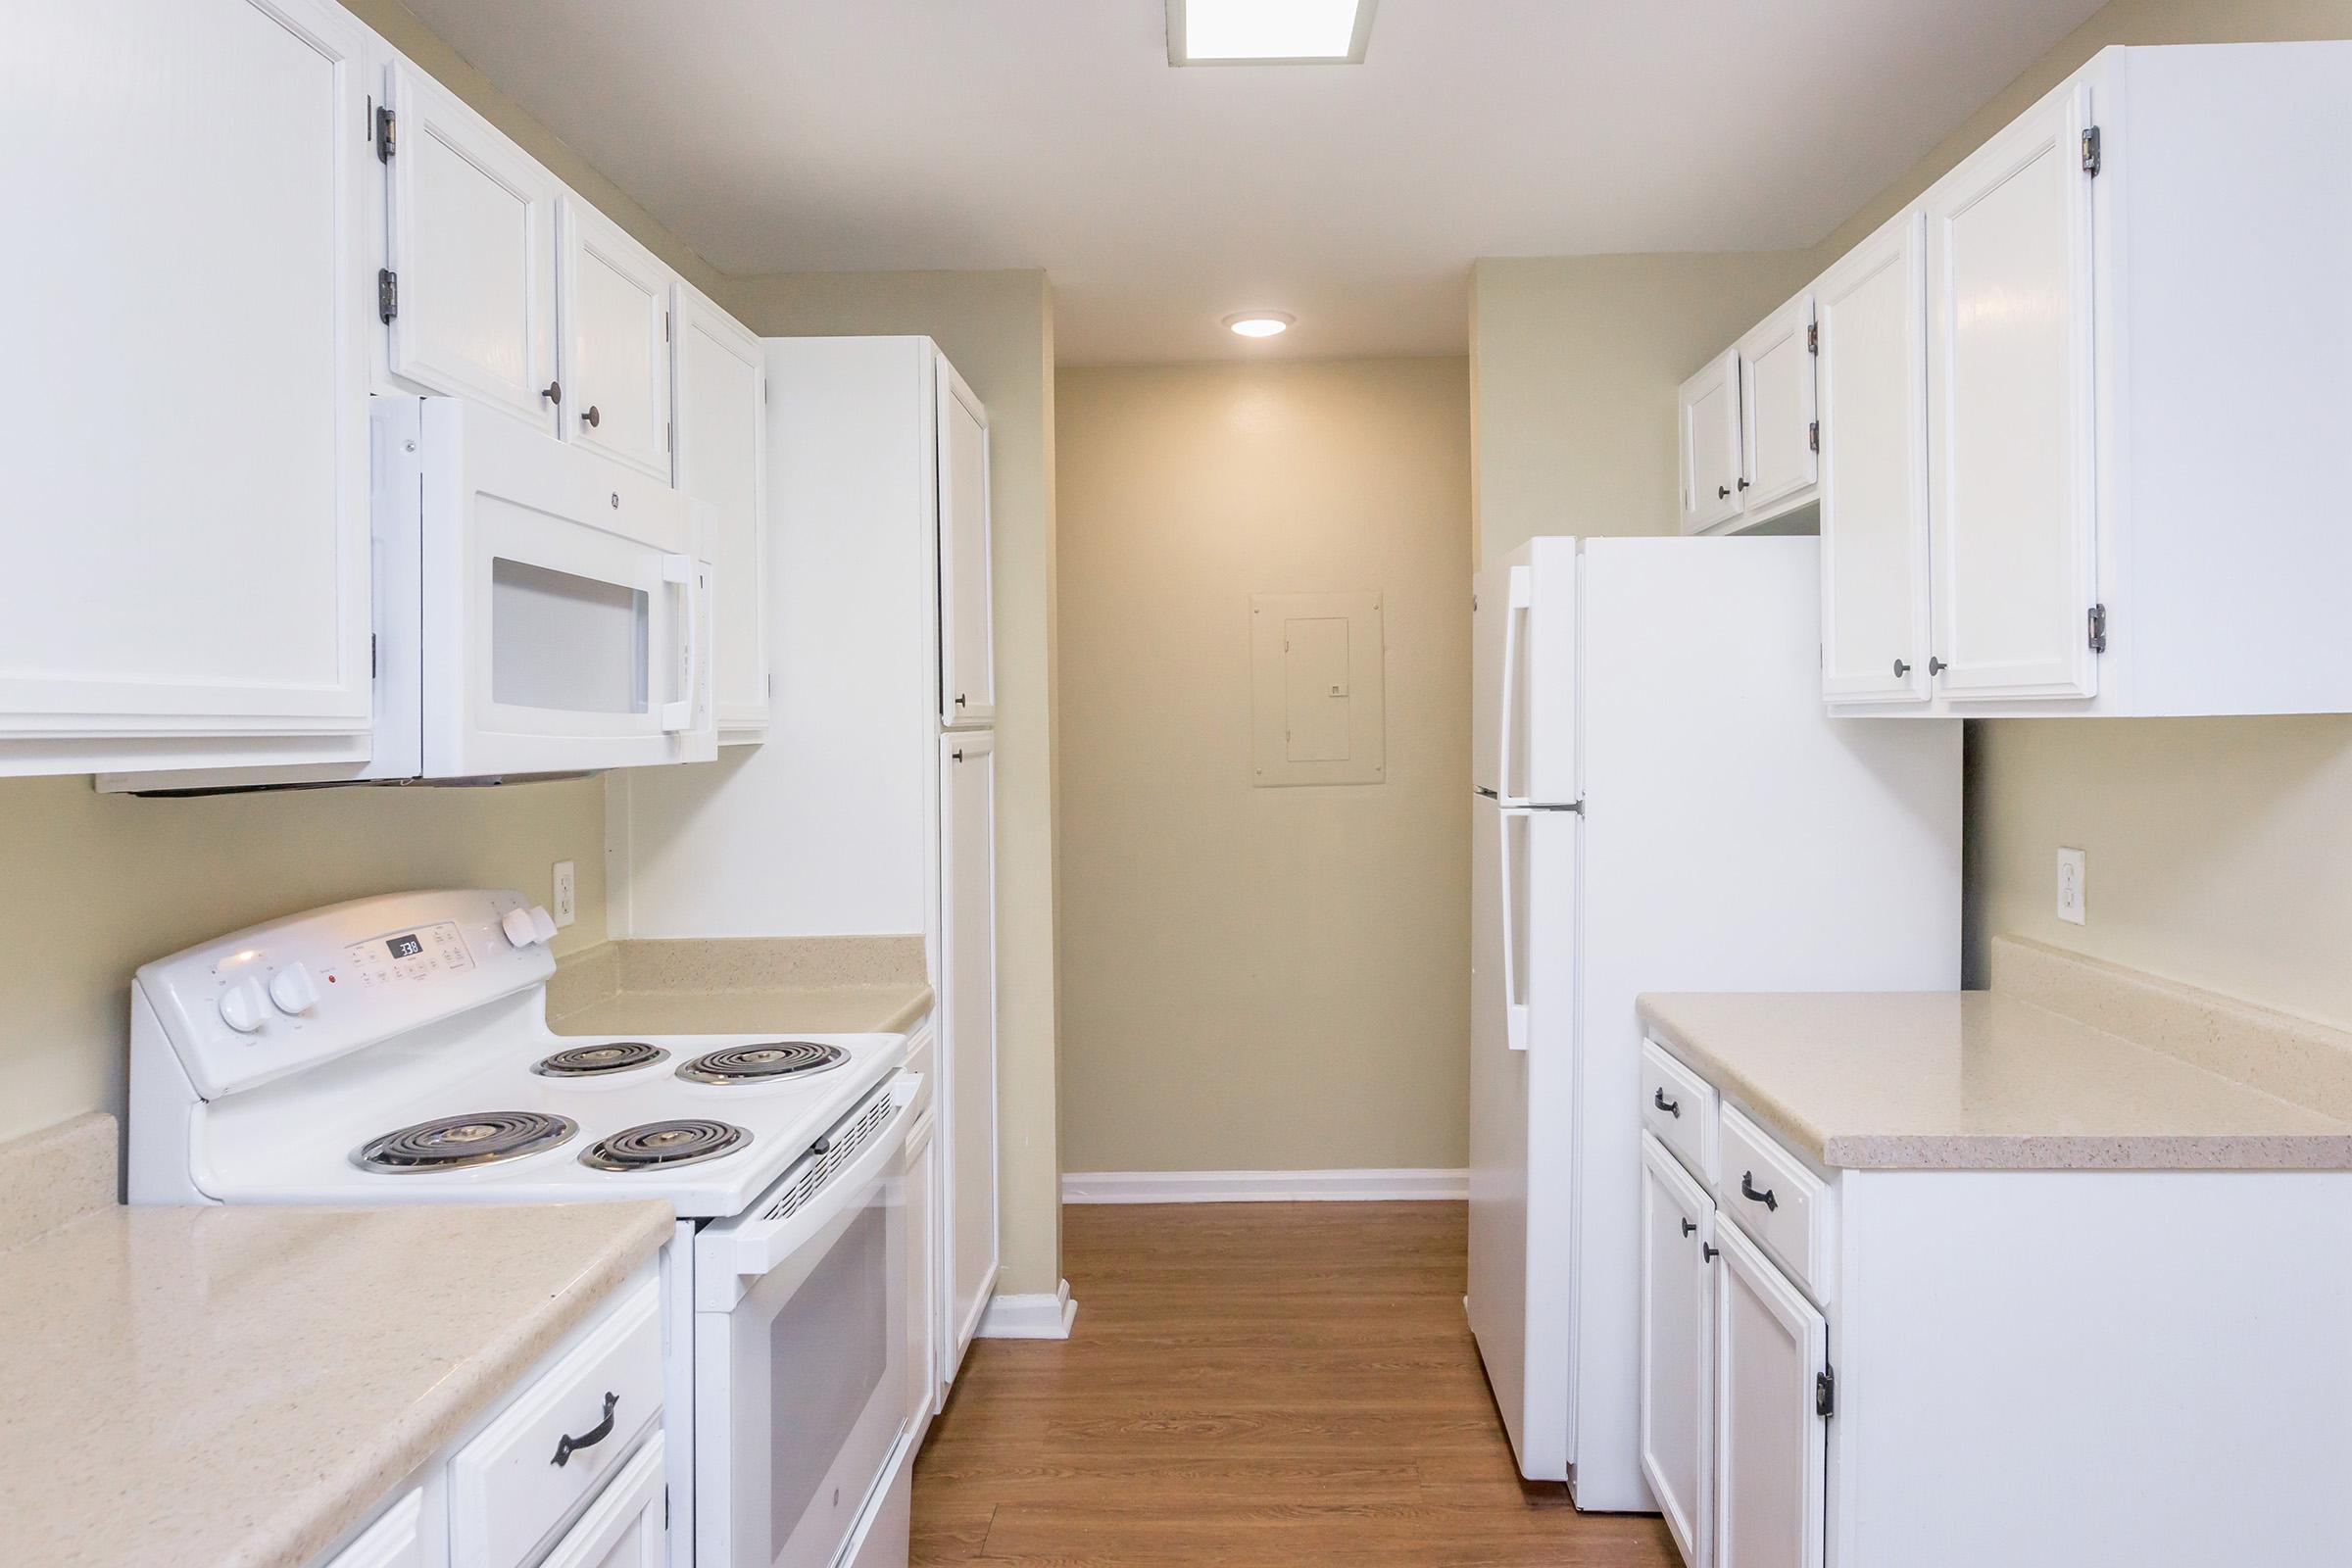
[
  {"x": 1747, "y": 1190},
  {"x": 565, "y": 1448},
  {"x": 1672, "y": 1107},
  {"x": 1687, "y": 1227}
]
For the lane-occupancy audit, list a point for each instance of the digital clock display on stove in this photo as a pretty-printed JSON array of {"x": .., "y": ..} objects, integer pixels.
[{"x": 407, "y": 947}]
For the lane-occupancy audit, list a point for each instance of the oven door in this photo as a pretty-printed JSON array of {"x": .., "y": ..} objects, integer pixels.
[
  {"x": 561, "y": 628},
  {"x": 801, "y": 1334}
]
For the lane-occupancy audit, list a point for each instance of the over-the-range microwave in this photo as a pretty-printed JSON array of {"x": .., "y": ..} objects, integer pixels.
[{"x": 539, "y": 610}]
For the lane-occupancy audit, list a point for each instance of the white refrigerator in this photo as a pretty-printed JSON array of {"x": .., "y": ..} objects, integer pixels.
[{"x": 1662, "y": 804}]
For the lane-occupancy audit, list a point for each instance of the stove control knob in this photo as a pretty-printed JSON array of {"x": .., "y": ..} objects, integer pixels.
[
  {"x": 293, "y": 990},
  {"x": 521, "y": 931},
  {"x": 244, "y": 1005}
]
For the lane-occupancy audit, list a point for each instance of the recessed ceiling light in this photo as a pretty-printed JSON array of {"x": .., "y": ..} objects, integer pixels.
[
  {"x": 1268, "y": 33},
  {"x": 1260, "y": 323}
]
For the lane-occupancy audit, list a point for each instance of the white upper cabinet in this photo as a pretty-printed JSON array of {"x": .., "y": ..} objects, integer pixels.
[
  {"x": 1776, "y": 412},
  {"x": 2132, "y": 396},
  {"x": 615, "y": 364},
  {"x": 1873, "y": 320},
  {"x": 2009, "y": 410},
  {"x": 471, "y": 230},
  {"x": 722, "y": 461},
  {"x": 1771, "y": 1444},
  {"x": 1708, "y": 415},
  {"x": 967, "y": 681},
  {"x": 193, "y": 212}
]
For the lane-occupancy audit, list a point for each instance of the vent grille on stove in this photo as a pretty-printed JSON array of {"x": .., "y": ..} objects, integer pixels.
[{"x": 836, "y": 1149}]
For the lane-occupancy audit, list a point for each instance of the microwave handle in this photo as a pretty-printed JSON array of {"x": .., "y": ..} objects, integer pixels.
[
  {"x": 679, "y": 571},
  {"x": 757, "y": 1249}
]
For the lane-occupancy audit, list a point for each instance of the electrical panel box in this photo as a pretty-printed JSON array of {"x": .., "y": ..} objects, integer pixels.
[{"x": 1316, "y": 662}]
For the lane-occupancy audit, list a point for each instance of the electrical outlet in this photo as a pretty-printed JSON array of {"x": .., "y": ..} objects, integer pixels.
[
  {"x": 2071, "y": 872},
  {"x": 568, "y": 893}
]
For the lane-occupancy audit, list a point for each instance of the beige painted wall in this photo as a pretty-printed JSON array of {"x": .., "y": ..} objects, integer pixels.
[
  {"x": 2219, "y": 850},
  {"x": 1260, "y": 978},
  {"x": 998, "y": 329},
  {"x": 1574, "y": 365},
  {"x": 99, "y": 884}
]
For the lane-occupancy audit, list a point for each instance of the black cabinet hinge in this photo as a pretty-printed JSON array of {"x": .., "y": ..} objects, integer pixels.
[
  {"x": 1813, "y": 337},
  {"x": 1825, "y": 1392},
  {"x": 2098, "y": 628},
  {"x": 387, "y": 295},
  {"x": 1813, "y": 435},
  {"x": 2091, "y": 150},
  {"x": 371, "y": 656},
  {"x": 387, "y": 134}
]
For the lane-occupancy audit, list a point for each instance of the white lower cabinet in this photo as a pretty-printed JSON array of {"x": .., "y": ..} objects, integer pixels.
[
  {"x": 1678, "y": 1241},
  {"x": 568, "y": 1469},
  {"x": 1770, "y": 1403},
  {"x": 967, "y": 1012}
]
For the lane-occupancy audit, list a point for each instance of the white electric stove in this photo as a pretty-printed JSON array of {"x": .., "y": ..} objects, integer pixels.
[{"x": 396, "y": 1050}]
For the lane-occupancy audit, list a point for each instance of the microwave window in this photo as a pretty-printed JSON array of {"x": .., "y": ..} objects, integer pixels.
[{"x": 572, "y": 644}]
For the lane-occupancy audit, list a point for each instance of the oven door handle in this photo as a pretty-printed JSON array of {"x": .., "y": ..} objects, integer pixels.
[{"x": 757, "y": 1249}]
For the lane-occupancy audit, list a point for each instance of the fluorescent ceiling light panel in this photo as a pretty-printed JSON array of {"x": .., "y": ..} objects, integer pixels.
[{"x": 1241, "y": 33}]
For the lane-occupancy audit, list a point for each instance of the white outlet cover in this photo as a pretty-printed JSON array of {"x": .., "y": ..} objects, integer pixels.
[
  {"x": 2072, "y": 870},
  {"x": 566, "y": 893}
]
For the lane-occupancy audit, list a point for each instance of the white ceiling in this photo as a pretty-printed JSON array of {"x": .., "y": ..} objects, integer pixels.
[{"x": 797, "y": 135}]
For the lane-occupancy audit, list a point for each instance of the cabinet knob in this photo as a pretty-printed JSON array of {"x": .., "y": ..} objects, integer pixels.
[
  {"x": 1936, "y": 667},
  {"x": 1687, "y": 1227},
  {"x": 1723, "y": 492},
  {"x": 1710, "y": 1254},
  {"x": 960, "y": 699},
  {"x": 552, "y": 392},
  {"x": 593, "y": 417},
  {"x": 958, "y": 754},
  {"x": 1901, "y": 670},
  {"x": 1743, "y": 484}
]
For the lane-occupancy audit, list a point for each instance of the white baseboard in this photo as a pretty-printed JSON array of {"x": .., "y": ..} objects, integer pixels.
[
  {"x": 1264, "y": 1186},
  {"x": 1029, "y": 1317}
]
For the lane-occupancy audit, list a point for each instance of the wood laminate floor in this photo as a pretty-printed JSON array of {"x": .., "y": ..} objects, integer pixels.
[{"x": 1249, "y": 1384}]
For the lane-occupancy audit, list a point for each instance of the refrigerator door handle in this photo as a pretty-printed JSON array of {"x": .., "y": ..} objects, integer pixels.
[
  {"x": 1514, "y": 617},
  {"x": 1514, "y": 1011}
]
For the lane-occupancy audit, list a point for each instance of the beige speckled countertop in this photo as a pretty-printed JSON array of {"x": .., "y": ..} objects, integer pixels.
[
  {"x": 234, "y": 1388},
  {"x": 734, "y": 985},
  {"x": 1990, "y": 1081}
]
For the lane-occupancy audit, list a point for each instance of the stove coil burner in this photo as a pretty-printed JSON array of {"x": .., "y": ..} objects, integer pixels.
[
  {"x": 778, "y": 1058},
  {"x": 662, "y": 1145},
  {"x": 456, "y": 1143},
  {"x": 594, "y": 1062}
]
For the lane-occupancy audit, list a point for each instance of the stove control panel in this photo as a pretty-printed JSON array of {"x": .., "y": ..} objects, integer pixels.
[{"x": 275, "y": 998}]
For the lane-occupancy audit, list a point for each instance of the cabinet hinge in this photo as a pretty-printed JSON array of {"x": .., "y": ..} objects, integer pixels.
[
  {"x": 387, "y": 295},
  {"x": 2091, "y": 150},
  {"x": 1813, "y": 437},
  {"x": 371, "y": 656},
  {"x": 1813, "y": 337},
  {"x": 665, "y": 327},
  {"x": 665, "y": 1508},
  {"x": 387, "y": 134},
  {"x": 2098, "y": 628},
  {"x": 1825, "y": 1392}
]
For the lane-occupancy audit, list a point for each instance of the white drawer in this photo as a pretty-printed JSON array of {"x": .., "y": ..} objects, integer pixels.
[
  {"x": 507, "y": 1491},
  {"x": 1678, "y": 1106},
  {"x": 1771, "y": 1196}
]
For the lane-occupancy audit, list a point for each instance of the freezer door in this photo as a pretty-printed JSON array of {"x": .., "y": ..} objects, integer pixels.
[
  {"x": 1524, "y": 675},
  {"x": 1522, "y": 1076}
]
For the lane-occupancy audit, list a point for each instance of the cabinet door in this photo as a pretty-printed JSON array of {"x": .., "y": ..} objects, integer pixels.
[
  {"x": 722, "y": 460},
  {"x": 1677, "y": 1224},
  {"x": 1771, "y": 1442},
  {"x": 1873, "y": 314},
  {"x": 1708, "y": 413},
  {"x": 615, "y": 309},
  {"x": 627, "y": 1526},
  {"x": 967, "y": 1014},
  {"x": 472, "y": 232},
  {"x": 397, "y": 1540},
  {"x": 2009, "y": 412},
  {"x": 967, "y": 681},
  {"x": 1776, "y": 411},
  {"x": 191, "y": 191}
]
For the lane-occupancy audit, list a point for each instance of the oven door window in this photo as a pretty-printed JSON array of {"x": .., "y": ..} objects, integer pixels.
[{"x": 819, "y": 1384}]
